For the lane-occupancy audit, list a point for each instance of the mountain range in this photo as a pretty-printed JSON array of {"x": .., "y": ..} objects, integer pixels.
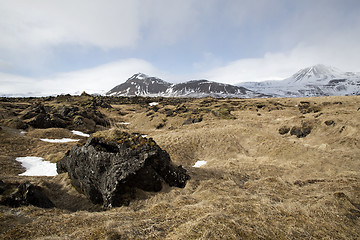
[
  {"x": 142, "y": 85},
  {"x": 317, "y": 80}
]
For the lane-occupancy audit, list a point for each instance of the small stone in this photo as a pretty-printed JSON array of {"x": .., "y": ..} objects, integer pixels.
[
  {"x": 192, "y": 120},
  {"x": 284, "y": 130},
  {"x": 329, "y": 122}
]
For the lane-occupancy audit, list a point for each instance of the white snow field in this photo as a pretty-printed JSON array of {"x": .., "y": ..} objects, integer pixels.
[
  {"x": 35, "y": 166},
  {"x": 199, "y": 163},
  {"x": 80, "y": 133},
  {"x": 62, "y": 140}
]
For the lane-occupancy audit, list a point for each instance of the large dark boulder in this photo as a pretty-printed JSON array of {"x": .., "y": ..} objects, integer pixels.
[
  {"x": 16, "y": 195},
  {"x": 109, "y": 171}
]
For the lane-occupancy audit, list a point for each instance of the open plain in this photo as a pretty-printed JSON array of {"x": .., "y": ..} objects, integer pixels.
[{"x": 279, "y": 168}]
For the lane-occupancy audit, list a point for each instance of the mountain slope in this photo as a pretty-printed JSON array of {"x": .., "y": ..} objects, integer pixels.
[
  {"x": 143, "y": 85},
  {"x": 140, "y": 85},
  {"x": 204, "y": 88},
  {"x": 318, "y": 80}
]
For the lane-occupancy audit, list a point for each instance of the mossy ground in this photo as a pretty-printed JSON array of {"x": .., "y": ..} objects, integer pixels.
[{"x": 256, "y": 184}]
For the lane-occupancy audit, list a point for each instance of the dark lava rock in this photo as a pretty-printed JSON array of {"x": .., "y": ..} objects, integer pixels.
[
  {"x": 155, "y": 108},
  {"x": 192, "y": 120},
  {"x": 34, "y": 111},
  {"x": 2, "y": 187},
  {"x": 169, "y": 113},
  {"x": 305, "y": 107},
  {"x": 339, "y": 103},
  {"x": 181, "y": 109},
  {"x": 160, "y": 125},
  {"x": 85, "y": 118},
  {"x": 15, "y": 195},
  {"x": 284, "y": 130},
  {"x": 109, "y": 172},
  {"x": 44, "y": 120},
  {"x": 329, "y": 122},
  {"x": 302, "y": 131},
  {"x": 16, "y": 123},
  {"x": 301, "y": 183},
  {"x": 99, "y": 101},
  {"x": 65, "y": 111},
  {"x": 342, "y": 129}
]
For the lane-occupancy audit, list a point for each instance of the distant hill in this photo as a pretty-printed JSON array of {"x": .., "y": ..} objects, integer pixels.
[{"x": 318, "y": 80}]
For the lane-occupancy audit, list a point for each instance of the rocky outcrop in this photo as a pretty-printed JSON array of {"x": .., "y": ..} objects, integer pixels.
[
  {"x": 302, "y": 131},
  {"x": 84, "y": 117},
  {"x": 16, "y": 195},
  {"x": 299, "y": 131},
  {"x": 307, "y": 107},
  {"x": 108, "y": 172}
]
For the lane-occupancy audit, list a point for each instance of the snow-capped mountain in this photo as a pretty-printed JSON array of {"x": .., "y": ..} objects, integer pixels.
[
  {"x": 143, "y": 85},
  {"x": 318, "y": 80},
  {"x": 205, "y": 88}
]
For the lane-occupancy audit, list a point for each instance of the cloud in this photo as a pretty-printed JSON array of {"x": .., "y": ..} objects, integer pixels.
[
  {"x": 168, "y": 22},
  {"x": 99, "y": 79},
  {"x": 280, "y": 65},
  {"x": 42, "y": 23}
]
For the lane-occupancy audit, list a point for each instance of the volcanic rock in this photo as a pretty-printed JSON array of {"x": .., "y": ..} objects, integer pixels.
[
  {"x": 16, "y": 123},
  {"x": 16, "y": 195},
  {"x": 44, "y": 120},
  {"x": 108, "y": 172},
  {"x": 34, "y": 111},
  {"x": 284, "y": 130},
  {"x": 302, "y": 131},
  {"x": 306, "y": 107},
  {"x": 329, "y": 122},
  {"x": 192, "y": 120}
]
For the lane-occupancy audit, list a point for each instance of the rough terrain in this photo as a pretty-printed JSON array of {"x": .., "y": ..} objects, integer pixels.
[{"x": 275, "y": 168}]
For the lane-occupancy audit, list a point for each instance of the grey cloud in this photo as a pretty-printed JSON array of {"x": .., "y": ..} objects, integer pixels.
[{"x": 106, "y": 24}]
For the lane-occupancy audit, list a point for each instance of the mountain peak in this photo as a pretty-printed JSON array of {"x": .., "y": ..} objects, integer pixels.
[
  {"x": 317, "y": 72},
  {"x": 139, "y": 76},
  {"x": 317, "y": 80}
]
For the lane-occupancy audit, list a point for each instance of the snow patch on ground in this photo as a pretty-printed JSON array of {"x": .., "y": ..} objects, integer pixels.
[
  {"x": 199, "y": 163},
  {"x": 63, "y": 140},
  {"x": 35, "y": 166},
  {"x": 80, "y": 133}
]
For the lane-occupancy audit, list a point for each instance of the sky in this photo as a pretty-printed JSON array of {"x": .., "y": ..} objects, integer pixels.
[{"x": 70, "y": 46}]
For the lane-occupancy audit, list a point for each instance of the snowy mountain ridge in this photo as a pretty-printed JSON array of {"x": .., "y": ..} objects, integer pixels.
[
  {"x": 317, "y": 80},
  {"x": 142, "y": 85}
]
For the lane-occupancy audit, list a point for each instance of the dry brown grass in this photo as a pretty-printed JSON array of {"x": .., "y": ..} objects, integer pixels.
[{"x": 257, "y": 184}]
